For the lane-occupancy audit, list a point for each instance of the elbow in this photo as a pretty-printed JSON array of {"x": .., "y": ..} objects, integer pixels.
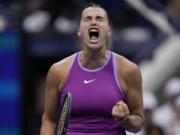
[
  {"x": 137, "y": 125},
  {"x": 48, "y": 126}
]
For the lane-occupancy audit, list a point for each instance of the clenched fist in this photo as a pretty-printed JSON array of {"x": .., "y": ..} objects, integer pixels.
[{"x": 120, "y": 111}]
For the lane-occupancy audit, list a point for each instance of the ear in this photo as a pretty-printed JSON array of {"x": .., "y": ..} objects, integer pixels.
[
  {"x": 110, "y": 31},
  {"x": 78, "y": 32}
]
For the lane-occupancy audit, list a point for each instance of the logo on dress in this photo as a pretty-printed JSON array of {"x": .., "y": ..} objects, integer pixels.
[{"x": 89, "y": 81}]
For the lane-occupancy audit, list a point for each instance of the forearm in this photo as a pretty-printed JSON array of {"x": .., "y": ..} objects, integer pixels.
[{"x": 132, "y": 123}]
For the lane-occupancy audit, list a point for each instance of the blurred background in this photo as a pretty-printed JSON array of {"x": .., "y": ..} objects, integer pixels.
[{"x": 34, "y": 34}]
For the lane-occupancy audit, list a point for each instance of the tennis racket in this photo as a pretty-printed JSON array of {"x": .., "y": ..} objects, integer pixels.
[{"x": 64, "y": 115}]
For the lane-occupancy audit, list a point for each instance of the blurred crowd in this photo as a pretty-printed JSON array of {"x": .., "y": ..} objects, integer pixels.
[
  {"x": 136, "y": 35},
  {"x": 48, "y": 29},
  {"x": 162, "y": 118}
]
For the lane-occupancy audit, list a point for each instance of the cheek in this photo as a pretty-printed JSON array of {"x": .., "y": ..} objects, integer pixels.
[
  {"x": 106, "y": 32},
  {"x": 83, "y": 30},
  {"x": 106, "y": 29}
]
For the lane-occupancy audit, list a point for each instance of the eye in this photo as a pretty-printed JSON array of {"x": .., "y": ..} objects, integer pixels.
[
  {"x": 87, "y": 18},
  {"x": 99, "y": 18}
]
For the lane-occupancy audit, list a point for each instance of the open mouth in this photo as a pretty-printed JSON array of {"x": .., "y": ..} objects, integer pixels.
[{"x": 93, "y": 34}]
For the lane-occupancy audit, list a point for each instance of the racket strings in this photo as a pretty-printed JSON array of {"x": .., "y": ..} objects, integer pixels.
[
  {"x": 62, "y": 118},
  {"x": 64, "y": 115}
]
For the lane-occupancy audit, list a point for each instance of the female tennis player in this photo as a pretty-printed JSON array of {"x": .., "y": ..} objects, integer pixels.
[{"x": 106, "y": 88}]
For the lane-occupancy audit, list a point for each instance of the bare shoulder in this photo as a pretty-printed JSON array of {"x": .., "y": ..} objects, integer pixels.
[
  {"x": 63, "y": 64},
  {"x": 58, "y": 72},
  {"x": 127, "y": 69}
]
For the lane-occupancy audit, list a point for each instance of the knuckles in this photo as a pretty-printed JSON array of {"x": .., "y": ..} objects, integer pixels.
[{"x": 120, "y": 110}]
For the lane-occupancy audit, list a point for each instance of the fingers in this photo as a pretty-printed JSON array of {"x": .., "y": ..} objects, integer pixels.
[
  {"x": 120, "y": 110},
  {"x": 122, "y": 107}
]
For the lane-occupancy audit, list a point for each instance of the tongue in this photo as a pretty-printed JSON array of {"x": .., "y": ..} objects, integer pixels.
[{"x": 94, "y": 38}]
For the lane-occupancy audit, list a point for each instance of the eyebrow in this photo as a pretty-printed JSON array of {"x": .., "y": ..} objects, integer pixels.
[
  {"x": 97, "y": 16},
  {"x": 88, "y": 16},
  {"x": 101, "y": 17}
]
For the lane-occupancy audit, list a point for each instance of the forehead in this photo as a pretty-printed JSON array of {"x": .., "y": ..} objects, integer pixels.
[{"x": 94, "y": 11}]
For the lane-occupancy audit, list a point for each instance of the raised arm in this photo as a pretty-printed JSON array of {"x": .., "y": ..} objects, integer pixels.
[
  {"x": 51, "y": 102},
  {"x": 130, "y": 113},
  {"x": 134, "y": 100}
]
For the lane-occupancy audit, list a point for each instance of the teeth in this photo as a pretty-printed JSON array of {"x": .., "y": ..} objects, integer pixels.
[{"x": 93, "y": 30}]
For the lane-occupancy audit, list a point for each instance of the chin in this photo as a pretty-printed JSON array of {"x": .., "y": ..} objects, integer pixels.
[{"x": 94, "y": 46}]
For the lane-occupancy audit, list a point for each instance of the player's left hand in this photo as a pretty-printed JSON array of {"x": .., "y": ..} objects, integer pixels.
[{"x": 120, "y": 111}]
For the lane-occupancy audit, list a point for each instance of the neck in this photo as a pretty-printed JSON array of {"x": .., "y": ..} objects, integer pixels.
[{"x": 93, "y": 59}]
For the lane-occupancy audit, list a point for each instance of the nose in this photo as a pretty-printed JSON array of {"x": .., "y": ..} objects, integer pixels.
[{"x": 93, "y": 22}]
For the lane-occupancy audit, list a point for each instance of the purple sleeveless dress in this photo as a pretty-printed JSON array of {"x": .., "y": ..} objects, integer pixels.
[{"x": 94, "y": 93}]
